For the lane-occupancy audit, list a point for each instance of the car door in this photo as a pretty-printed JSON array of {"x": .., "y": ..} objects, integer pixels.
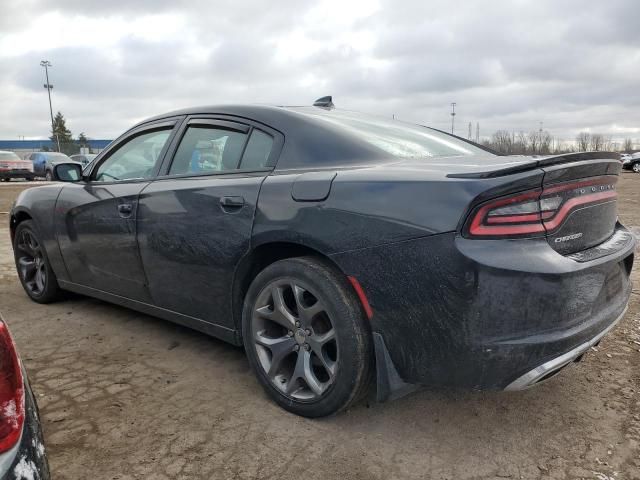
[
  {"x": 96, "y": 219},
  {"x": 38, "y": 160},
  {"x": 194, "y": 224}
]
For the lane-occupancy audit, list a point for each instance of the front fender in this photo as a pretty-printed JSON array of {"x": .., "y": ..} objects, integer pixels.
[{"x": 38, "y": 204}]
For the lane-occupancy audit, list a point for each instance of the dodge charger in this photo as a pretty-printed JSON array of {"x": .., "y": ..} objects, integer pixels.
[{"x": 347, "y": 253}]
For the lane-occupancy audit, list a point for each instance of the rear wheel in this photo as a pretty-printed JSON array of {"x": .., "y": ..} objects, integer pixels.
[
  {"x": 48, "y": 176},
  {"x": 306, "y": 337},
  {"x": 636, "y": 167},
  {"x": 32, "y": 263}
]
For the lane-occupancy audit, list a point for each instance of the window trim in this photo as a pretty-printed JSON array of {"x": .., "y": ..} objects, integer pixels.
[
  {"x": 221, "y": 124},
  {"x": 232, "y": 123},
  {"x": 164, "y": 124}
]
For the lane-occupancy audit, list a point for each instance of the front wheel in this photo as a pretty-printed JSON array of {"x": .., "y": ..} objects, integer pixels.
[
  {"x": 32, "y": 263},
  {"x": 636, "y": 167},
  {"x": 307, "y": 337},
  {"x": 48, "y": 176}
]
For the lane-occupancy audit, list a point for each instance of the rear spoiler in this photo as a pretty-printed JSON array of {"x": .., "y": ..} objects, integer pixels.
[{"x": 546, "y": 161}]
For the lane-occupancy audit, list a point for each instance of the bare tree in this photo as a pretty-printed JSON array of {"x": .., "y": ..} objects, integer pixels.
[
  {"x": 545, "y": 139},
  {"x": 534, "y": 141},
  {"x": 627, "y": 146},
  {"x": 583, "y": 141},
  {"x": 564, "y": 147},
  {"x": 502, "y": 141},
  {"x": 521, "y": 143},
  {"x": 597, "y": 142}
]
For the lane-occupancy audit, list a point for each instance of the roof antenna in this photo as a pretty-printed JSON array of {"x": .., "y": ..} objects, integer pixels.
[{"x": 324, "y": 102}]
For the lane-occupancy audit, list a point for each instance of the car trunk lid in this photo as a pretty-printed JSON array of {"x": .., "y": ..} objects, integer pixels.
[
  {"x": 572, "y": 204},
  {"x": 584, "y": 188}
]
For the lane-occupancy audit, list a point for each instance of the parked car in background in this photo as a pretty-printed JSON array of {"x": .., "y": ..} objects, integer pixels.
[
  {"x": 12, "y": 166},
  {"x": 84, "y": 158},
  {"x": 43, "y": 163},
  {"x": 22, "y": 452},
  {"x": 631, "y": 161},
  {"x": 340, "y": 248}
]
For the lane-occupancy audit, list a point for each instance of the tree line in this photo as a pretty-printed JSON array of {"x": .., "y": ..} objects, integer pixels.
[
  {"x": 541, "y": 142},
  {"x": 62, "y": 139}
]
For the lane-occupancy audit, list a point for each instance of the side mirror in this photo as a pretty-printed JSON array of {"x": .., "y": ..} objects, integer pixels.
[{"x": 67, "y": 172}]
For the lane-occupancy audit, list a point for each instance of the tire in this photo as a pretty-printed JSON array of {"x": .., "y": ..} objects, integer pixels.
[
  {"x": 636, "y": 167},
  {"x": 48, "y": 176},
  {"x": 34, "y": 270},
  {"x": 29, "y": 179},
  {"x": 331, "y": 345},
  {"x": 6, "y": 179}
]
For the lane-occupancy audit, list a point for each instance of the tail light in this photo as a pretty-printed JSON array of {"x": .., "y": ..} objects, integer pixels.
[
  {"x": 537, "y": 212},
  {"x": 11, "y": 392}
]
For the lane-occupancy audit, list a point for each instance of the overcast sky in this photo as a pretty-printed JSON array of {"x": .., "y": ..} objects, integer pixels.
[{"x": 572, "y": 64}]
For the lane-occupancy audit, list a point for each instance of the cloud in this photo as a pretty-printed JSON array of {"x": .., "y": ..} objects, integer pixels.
[{"x": 508, "y": 64}]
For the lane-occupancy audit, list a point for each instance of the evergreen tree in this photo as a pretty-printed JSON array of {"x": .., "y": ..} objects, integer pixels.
[
  {"x": 83, "y": 142},
  {"x": 62, "y": 135}
]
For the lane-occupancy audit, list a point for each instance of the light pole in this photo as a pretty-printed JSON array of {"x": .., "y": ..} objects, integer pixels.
[
  {"x": 453, "y": 115},
  {"x": 46, "y": 64}
]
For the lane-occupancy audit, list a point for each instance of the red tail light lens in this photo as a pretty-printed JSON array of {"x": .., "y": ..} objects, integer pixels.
[
  {"x": 537, "y": 212},
  {"x": 11, "y": 392}
]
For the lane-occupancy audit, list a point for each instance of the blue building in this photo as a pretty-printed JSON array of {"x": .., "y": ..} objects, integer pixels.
[{"x": 25, "y": 146}]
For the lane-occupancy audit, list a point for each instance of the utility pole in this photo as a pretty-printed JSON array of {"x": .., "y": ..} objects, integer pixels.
[
  {"x": 477, "y": 132},
  {"x": 46, "y": 64},
  {"x": 469, "y": 136},
  {"x": 453, "y": 115}
]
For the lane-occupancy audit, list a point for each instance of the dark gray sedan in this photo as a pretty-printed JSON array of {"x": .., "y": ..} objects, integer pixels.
[{"x": 342, "y": 250}]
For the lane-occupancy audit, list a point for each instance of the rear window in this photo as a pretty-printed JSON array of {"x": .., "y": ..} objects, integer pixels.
[
  {"x": 9, "y": 156},
  {"x": 399, "y": 139}
]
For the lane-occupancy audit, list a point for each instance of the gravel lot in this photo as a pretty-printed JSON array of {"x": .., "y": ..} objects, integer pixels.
[{"x": 124, "y": 395}]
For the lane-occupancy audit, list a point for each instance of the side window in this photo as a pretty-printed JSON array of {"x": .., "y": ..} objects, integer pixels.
[
  {"x": 137, "y": 158},
  {"x": 257, "y": 152},
  {"x": 206, "y": 149}
]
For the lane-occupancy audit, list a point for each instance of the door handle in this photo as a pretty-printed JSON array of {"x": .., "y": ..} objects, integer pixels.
[
  {"x": 232, "y": 202},
  {"x": 125, "y": 209}
]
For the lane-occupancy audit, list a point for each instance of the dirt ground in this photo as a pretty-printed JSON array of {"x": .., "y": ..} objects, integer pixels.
[{"x": 124, "y": 396}]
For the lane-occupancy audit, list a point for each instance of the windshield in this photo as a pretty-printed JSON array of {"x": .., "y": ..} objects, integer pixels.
[
  {"x": 57, "y": 156},
  {"x": 8, "y": 156},
  {"x": 400, "y": 139}
]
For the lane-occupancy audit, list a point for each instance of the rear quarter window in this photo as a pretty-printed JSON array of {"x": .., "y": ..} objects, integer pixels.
[{"x": 258, "y": 150}]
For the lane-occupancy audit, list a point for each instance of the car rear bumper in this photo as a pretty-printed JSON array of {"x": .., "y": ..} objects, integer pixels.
[
  {"x": 484, "y": 314},
  {"x": 16, "y": 174},
  {"x": 549, "y": 368}
]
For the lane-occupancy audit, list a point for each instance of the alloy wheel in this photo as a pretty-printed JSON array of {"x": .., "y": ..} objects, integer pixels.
[
  {"x": 295, "y": 340},
  {"x": 31, "y": 263},
  {"x": 636, "y": 167}
]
